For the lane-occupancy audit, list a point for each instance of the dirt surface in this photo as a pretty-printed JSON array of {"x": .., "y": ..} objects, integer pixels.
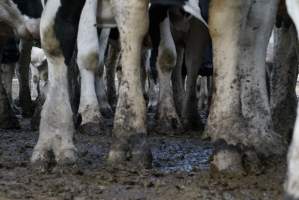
[{"x": 180, "y": 171}]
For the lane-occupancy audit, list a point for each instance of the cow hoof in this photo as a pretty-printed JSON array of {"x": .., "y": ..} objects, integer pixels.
[
  {"x": 133, "y": 152},
  {"x": 118, "y": 153},
  {"x": 193, "y": 124},
  {"x": 228, "y": 161},
  {"x": 141, "y": 154},
  {"x": 252, "y": 162},
  {"x": 41, "y": 160},
  {"x": 168, "y": 126},
  {"x": 92, "y": 128},
  {"x": 66, "y": 157},
  {"x": 106, "y": 112}
]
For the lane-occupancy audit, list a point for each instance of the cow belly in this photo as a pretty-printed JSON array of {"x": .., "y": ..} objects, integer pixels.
[{"x": 105, "y": 17}]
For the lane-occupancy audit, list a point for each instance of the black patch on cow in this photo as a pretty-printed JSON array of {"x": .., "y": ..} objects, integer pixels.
[
  {"x": 30, "y": 8},
  {"x": 206, "y": 68},
  {"x": 114, "y": 34},
  {"x": 10, "y": 52},
  {"x": 157, "y": 14},
  {"x": 169, "y": 2},
  {"x": 66, "y": 26},
  {"x": 204, "y": 7}
]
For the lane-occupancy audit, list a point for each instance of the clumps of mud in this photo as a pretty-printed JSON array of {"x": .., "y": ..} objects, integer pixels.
[{"x": 180, "y": 171}]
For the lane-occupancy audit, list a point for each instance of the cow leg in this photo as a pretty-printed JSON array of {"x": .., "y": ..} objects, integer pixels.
[
  {"x": 167, "y": 117},
  {"x": 193, "y": 58},
  {"x": 283, "y": 79},
  {"x": 88, "y": 62},
  {"x": 292, "y": 182},
  {"x": 129, "y": 128},
  {"x": 23, "y": 75},
  {"x": 153, "y": 86},
  {"x": 203, "y": 96},
  {"x": 100, "y": 82},
  {"x": 8, "y": 71},
  {"x": 240, "y": 111},
  {"x": 113, "y": 54},
  {"x": 58, "y": 35},
  {"x": 7, "y": 118},
  {"x": 144, "y": 58},
  {"x": 177, "y": 81}
]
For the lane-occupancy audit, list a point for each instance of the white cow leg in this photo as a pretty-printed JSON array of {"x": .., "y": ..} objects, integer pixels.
[
  {"x": 292, "y": 183},
  {"x": 193, "y": 57},
  {"x": 167, "y": 117},
  {"x": 240, "y": 113},
  {"x": 129, "y": 129},
  {"x": 88, "y": 62},
  {"x": 56, "y": 127}
]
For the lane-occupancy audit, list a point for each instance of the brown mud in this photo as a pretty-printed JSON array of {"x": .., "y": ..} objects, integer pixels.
[{"x": 180, "y": 171}]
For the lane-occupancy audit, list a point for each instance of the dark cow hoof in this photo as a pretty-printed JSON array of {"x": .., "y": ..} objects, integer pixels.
[
  {"x": 252, "y": 162},
  {"x": 169, "y": 126},
  {"x": 152, "y": 109},
  {"x": 118, "y": 153},
  {"x": 194, "y": 124},
  {"x": 140, "y": 152},
  {"x": 106, "y": 112},
  {"x": 92, "y": 128},
  {"x": 227, "y": 160},
  {"x": 42, "y": 162},
  {"x": 133, "y": 152}
]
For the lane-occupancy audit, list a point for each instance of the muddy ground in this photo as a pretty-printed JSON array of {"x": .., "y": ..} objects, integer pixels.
[{"x": 180, "y": 171}]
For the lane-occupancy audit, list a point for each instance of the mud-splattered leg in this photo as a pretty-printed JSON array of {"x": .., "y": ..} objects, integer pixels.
[{"x": 129, "y": 124}]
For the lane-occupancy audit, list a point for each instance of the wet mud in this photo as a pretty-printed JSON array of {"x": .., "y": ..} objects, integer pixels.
[{"x": 180, "y": 171}]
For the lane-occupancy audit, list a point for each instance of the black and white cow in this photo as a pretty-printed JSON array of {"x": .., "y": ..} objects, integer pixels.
[
  {"x": 173, "y": 34},
  {"x": 61, "y": 20}
]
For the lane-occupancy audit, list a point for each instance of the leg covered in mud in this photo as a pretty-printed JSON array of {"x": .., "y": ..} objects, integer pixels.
[
  {"x": 292, "y": 182},
  {"x": 58, "y": 36},
  {"x": 240, "y": 111},
  {"x": 129, "y": 129}
]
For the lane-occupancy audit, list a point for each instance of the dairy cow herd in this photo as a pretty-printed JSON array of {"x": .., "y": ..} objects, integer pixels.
[{"x": 122, "y": 59}]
